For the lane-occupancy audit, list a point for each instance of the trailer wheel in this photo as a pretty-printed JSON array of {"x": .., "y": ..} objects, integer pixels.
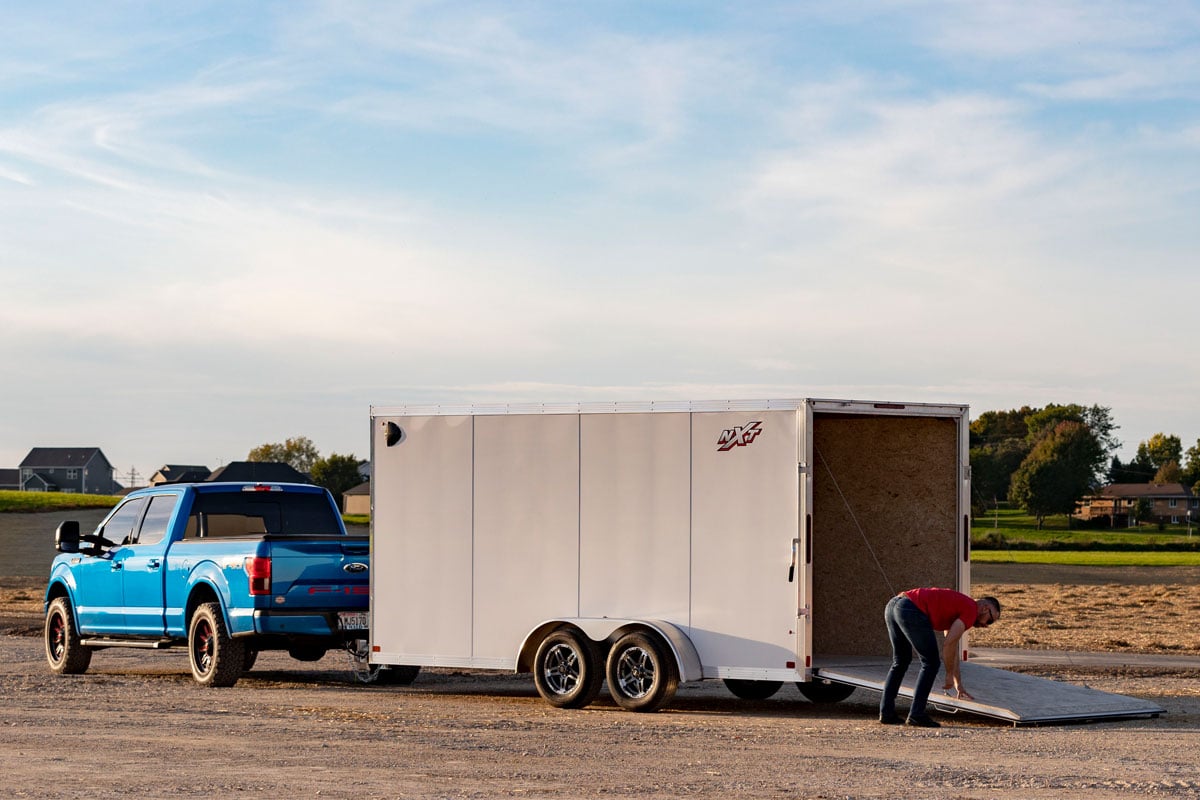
[
  {"x": 752, "y": 690},
  {"x": 820, "y": 691},
  {"x": 642, "y": 675},
  {"x": 217, "y": 658},
  {"x": 566, "y": 670},
  {"x": 67, "y": 656}
]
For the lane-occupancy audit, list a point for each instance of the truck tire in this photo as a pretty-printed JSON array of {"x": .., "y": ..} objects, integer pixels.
[
  {"x": 65, "y": 653},
  {"x": 820, "y": 691},
  {"x": 566, "y": 670},
  {"x": 752, "y": 690},
  {"x": 642, "y": 675},
  {"x": 217, "y": 659}
]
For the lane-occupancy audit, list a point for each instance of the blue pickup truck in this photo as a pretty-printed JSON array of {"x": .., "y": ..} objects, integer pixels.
[{"x": 227, "y": 569}]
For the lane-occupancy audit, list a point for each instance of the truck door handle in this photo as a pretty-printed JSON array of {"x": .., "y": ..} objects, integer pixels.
[
  {"x": 153, "y": 563},
  {"x": 116, "y": 565}
]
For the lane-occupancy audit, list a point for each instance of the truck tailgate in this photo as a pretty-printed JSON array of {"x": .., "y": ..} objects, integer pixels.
[{"x": 319, "y": 572}]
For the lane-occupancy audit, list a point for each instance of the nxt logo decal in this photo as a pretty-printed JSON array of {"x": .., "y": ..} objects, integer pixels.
[{"x": 739, "y": 436}]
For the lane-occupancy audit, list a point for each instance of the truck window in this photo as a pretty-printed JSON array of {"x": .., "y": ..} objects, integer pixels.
[
  {"x": 154, "y": 525},
  {"x": 119, "y": 528},
  {"x": 253, "y": 514}
]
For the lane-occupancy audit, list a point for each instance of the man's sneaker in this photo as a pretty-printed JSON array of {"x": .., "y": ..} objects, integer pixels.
[
  {"x": 890, "y": 719},
  {"x": 922, "y": 722}
]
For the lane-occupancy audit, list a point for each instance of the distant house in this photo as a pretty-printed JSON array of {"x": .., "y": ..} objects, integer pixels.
[
  {"x": 259, "y": 472},
  {"x": 357, "y": 500},
  {"x": 1169, "y": 502},
  {"x": 10, "y": 479},
  {"x": 180, "y": 473},
  {"x": 67, "y": 469}
]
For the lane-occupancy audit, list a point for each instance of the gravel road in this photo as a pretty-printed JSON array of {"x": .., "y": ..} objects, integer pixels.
[{"x": 136, "y": 726}]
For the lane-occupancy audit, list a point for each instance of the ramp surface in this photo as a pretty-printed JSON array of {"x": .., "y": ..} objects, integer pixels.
[{"x": 1010, "y": 696}]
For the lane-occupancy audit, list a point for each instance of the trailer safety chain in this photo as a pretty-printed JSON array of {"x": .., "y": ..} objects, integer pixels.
[
  {"x": 854, "y": 519},
  {"x": 360, "y": 665}
]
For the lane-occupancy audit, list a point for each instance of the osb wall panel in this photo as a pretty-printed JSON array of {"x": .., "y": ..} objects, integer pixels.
[{"x": 897, "y": 478}]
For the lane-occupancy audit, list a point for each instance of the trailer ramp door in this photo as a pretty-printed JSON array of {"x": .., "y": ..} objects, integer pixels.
[{"x": 1009, "y": 696}]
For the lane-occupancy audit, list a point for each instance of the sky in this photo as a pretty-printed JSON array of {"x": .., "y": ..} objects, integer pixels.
[{"x": 225, "y": 224}]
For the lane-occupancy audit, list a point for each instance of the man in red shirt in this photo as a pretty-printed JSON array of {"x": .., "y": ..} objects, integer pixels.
[{"x": 912, "y": 617}]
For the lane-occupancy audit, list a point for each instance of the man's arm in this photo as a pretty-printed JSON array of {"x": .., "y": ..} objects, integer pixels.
[{"x": 950, "y": 659}]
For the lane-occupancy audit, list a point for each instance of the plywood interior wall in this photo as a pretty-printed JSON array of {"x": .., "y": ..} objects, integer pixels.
[{"x": 897, "y": 476}]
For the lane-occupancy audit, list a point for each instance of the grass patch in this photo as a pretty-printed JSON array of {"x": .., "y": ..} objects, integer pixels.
[
  {"x": 1011, "y": 529},
  {"x": 356, "y": 519},
  {"x": 52, "y": 501},
  {"x": 1088, "y": 558}
]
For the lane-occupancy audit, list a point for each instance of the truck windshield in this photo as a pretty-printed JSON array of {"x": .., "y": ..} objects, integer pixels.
[{"x": 248, "y": 514}]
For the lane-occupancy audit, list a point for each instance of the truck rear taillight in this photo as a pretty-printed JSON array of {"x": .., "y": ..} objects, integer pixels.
[{"x": 258, "y": 569}]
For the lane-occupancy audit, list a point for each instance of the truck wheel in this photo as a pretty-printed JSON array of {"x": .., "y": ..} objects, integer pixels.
[
  {"x": 566, "y": 670},
  {"x": 820, "y": 691},
  {"x": 642, "y": 675},
  {"x": 67, "y": 656},
  {"x": 217, "y": 658},
  {"x": 752, "y": 690}
]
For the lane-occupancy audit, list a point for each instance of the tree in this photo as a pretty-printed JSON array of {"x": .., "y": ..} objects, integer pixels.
[
  {"x": 1160, "y": 449},
  {"x": 1191, "y": 466},
  {"x": 1059, "y": 471},
  {"x": 992, "y": 467},
  {"x": 337, "y": 474},
  {"x": 299, "y": 452},
  {"x": 1168, "y": 473},
  {"x": 1002, "y": 440}
]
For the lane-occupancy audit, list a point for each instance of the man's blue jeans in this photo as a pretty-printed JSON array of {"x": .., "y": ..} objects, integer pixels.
[{"x": 909, "y": 629}]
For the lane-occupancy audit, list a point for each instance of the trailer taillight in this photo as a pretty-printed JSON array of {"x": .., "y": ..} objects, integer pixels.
[{"x": 258, "y": 569}]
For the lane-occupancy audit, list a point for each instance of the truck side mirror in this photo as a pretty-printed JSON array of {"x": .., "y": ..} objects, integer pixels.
[{"x": 66, "y": 538}]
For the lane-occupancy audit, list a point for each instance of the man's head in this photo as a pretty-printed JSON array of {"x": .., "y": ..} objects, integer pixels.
[{"x": 987, "y": 611}]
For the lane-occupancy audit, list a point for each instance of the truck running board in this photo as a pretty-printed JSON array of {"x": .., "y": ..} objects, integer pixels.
[{"x": 144, "y": 644}]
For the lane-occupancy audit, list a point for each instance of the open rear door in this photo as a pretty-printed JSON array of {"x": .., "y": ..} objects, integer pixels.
[{"x": 1009, "y": 696}]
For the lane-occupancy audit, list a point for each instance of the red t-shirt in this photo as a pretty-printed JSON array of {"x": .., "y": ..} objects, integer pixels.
[{"x": 943, "y": 606}]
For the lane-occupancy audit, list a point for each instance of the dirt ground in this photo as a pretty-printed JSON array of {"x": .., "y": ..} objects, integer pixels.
[{"x": 136, "y": 726}]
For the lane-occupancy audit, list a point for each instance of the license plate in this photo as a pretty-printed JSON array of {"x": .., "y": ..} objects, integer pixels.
[{"x": 353, "y": 620}]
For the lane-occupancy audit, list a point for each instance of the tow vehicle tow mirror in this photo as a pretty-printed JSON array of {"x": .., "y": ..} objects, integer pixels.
[{"x": 66, "y": 538}]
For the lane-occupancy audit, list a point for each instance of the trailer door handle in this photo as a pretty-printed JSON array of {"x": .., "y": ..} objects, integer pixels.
[{"x": 792, "y": 567}]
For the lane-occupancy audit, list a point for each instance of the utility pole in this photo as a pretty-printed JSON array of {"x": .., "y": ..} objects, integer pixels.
[{"x": 132, "y": 477}]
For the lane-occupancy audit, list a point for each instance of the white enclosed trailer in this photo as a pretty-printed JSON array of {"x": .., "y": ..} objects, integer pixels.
[
  {"x": 651, "y": 543},
  {"x": 657, "y": 543}
]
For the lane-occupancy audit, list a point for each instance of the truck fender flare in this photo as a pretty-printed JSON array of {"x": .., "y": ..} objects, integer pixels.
[
  {"x": 206, "y": 576},
  {"x": 607, "y": 630},
  {"x": 61, "y": 584}
]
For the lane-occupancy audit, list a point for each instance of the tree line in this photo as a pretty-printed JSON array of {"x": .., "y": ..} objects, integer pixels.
[
  {"x": 1046, "y": 460},
  {"x": 337, "y": 473}
]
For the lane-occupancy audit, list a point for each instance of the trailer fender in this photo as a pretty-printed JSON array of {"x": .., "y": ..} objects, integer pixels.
[{"x": 606, "y": 630}]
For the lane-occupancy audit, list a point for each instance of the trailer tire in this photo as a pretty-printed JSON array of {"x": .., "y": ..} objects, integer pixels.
[
  {"x": 752, "y": 690},
  {"x": 217, "y": 659},
  {"x": 394, "y": 674},
  {"x": 65, "y": 653},
  {"x": 566, "y": 670},
  {"x": 642, "y": 674},
  {"x": 820, "y": 691}
]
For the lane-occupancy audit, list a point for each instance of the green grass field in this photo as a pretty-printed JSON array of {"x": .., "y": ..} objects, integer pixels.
[
  {"x": 33, "y": 502},
  {"x": 1088, "y": 558},
  {"x": 52, "y": 501}
]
